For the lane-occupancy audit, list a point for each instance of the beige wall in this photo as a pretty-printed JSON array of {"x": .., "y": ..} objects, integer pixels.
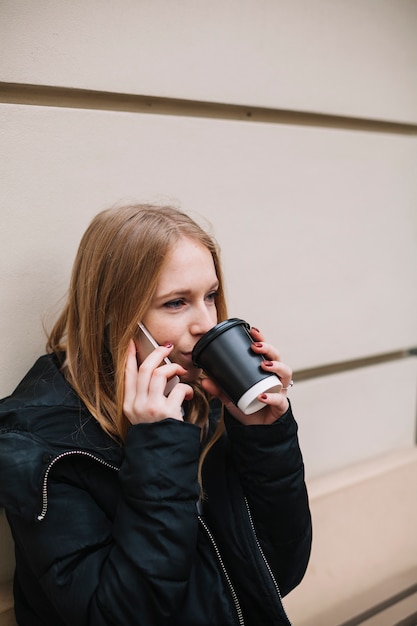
[
  {"x": 351, "y": 57},
  {"x": 316, "y": 215}
]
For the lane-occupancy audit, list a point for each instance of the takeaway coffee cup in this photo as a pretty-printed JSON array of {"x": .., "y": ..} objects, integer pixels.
[{"x": 226, "y": 356}]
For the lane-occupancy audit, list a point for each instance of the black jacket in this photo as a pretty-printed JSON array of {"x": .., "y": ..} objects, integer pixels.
[{"x": 107, "y": 535}]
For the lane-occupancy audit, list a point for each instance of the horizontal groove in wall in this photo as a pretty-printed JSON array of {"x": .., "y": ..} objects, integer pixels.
[
  {"x": 345, "y": 366},
  {"x": 382, "y": 606},
  {"x": 43, "y": 95}
]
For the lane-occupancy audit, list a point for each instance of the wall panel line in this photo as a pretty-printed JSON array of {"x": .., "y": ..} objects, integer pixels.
[
  {"x": 44, "y": 95},
  {"x": 345, "y": 366}
]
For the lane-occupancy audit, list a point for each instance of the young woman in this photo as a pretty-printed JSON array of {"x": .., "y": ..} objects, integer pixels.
[{"x": 129, "y": 506}]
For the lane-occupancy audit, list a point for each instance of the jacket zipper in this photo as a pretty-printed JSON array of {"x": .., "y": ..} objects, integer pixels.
[
  {"x": 42, "y": 514},
  {"x": 268, "y": 567},
  {"x": 226, "y": 575}
]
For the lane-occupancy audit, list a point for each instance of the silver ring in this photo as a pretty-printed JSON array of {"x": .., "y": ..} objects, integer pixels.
[{"x": 289, "y": 386}]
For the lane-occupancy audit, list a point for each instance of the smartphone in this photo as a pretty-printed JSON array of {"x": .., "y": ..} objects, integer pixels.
[{"x": 147, "y": 344}]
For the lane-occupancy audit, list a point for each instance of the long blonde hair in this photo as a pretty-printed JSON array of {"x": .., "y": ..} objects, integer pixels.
[{"x": 114, "y": 278}]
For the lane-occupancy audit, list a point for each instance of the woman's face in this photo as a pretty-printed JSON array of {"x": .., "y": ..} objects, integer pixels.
[{"x": 184, "y": 305}]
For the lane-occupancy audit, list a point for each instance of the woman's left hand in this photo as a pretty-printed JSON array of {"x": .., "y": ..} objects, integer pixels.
[{"x": 276, "y": 404}]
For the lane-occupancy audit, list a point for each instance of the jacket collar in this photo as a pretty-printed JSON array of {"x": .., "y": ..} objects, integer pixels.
[
  {"x": 40, "y": 422},
  {"x": 46, "y": 408}
]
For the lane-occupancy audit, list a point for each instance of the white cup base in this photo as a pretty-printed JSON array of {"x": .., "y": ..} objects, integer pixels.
[{"x": 248, "y": 403}]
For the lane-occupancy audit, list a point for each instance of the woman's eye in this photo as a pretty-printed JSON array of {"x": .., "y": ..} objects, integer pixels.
[
  {"x": 174, "y": 304},
  {"x": 211, "y": 297}
]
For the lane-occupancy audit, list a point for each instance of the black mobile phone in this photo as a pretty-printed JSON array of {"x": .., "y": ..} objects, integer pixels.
[{"x": 147, "y": 344}]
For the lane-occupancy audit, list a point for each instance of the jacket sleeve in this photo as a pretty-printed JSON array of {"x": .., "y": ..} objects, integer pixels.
[
  {"x": 135, "y": 568},
  {"x": 269, "y": 463}
]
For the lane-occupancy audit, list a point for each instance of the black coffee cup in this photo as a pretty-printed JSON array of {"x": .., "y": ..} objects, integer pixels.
[{"x": 226, "y": 356}]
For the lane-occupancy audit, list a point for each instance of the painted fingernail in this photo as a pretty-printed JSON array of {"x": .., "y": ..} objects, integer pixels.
[
  {"x": 257, "y": 329},
  {"x": 264, "y": 396},
  {"x": 268, "y": 363},
  {"x": 258, "y": 344},
  {"x": 168, "y": 344}
]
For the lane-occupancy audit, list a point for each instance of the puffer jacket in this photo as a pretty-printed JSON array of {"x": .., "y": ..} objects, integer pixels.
[{"x": 110, "y": 535}]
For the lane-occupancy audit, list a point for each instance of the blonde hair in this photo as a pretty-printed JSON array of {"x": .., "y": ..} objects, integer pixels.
[{"x": 114, "y": 278}]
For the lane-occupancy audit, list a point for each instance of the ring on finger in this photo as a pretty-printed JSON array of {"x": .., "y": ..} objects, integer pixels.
[{"x": 289, "y": 386}]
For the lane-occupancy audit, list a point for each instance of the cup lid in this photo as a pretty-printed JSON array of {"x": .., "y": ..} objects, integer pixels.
[{"x": 215, "y": 332}]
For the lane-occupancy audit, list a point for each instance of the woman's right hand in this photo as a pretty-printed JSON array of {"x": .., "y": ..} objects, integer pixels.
[{"x": 144, "y": 399}]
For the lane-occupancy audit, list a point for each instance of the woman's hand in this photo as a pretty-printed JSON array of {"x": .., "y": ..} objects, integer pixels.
[
  {"x": 276, "y": 404},
  {"x": 144, "y": 399}
]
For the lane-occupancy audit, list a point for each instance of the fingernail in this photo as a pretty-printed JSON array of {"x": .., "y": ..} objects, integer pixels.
[
  {"x": 264, "y": 396},
  {"x": 257, "y": 329},
  {"x": 258, "y": 344},
  {"x": 168, "y": 344},
  {"x": 268, "y": 363}
]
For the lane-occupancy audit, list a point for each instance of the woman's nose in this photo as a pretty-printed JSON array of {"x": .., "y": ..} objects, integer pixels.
[{"x": 204, "y": 320}]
